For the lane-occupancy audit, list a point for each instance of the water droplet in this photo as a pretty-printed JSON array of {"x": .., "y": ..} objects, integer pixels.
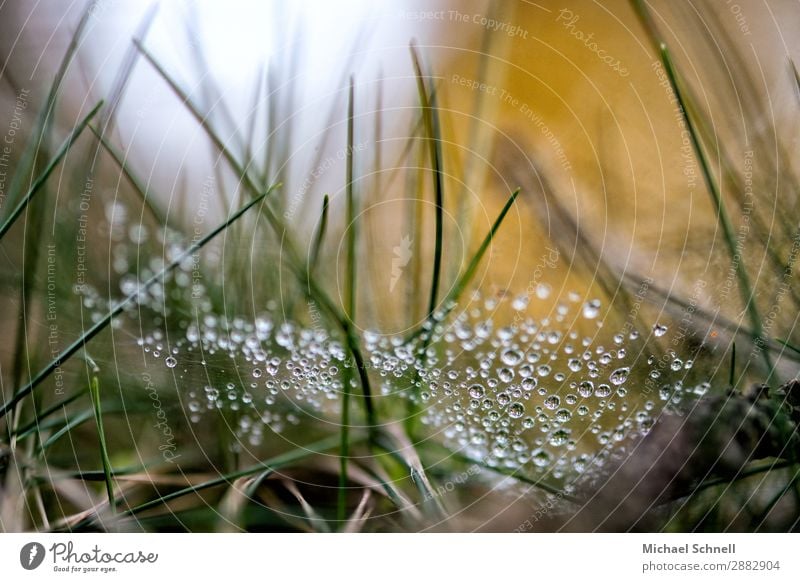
[
  {"x": 516, "y": 410},
  {"x": 552, "y": 402},
  {"x": 603, "y": 391},
  {"x": 477, "y": 391},
  {"x": 171, "y": 362},
  {"x": 619, "y": 376},
  {"x": 659, "y": 330},
  {"x": 511, "y": 357},
  {"x": 586, "y": 388},
  {"x": 591, "y": 309}
]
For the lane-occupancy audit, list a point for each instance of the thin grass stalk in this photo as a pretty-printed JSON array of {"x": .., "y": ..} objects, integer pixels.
[
  {"x": 42, "y": 178},
  {"x": 745, "y": 288},
  {"x": 134, "y": 181},
  {"x": 430, "y": 117},
  {"x": 320, "y": 236},
  {"x": 350, "y": 311},
  {"x": 94, "y": 391}
]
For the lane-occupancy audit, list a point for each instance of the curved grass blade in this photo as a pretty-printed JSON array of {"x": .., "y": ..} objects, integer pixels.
[
  {"x": 323, "y": 224},
  {"x": 350, "y": 311},
  {"x": 140, "y": 189},
  {"x": 120, "y": 307},
  {"x": 94, "y": 391},
  {"x": 42, "y": 178},
  {"x": 430, "y": 117},
  {"x": 36, "y": 425},
  {"x": 745, "y": 287},
  {"x": 465, "y": 278}
]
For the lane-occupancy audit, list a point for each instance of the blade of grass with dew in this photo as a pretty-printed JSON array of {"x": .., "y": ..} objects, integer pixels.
[
  {"x": 94, "y": 390},
  {"x": 402, "y": 450},
  {"x": 746, "y": 290},
  {"x": 42, "y": 178},
  {"x": 120, "y": 307},
  {"x": 320, "y": 236},
  {"x": 350, "y": 309},
  {"x": 430, "y": 116},
  {"x": 469, "y": 272},
  {"x": 300, "y": 270}
]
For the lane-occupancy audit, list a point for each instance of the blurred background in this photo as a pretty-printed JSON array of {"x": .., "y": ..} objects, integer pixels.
[{"x": 568, "y": 101}]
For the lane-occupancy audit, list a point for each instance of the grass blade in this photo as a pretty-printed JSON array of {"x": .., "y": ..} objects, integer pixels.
[
  {"x": 323, "y": 224},
  {"x": 94, "y": 390},
  {"x": 465, "y": 277},
  {"x": 430, "y": 117},
  {"x": 100, "y": 325},
  {"x": 746, "y": 289},
  {"x": 42, "y": 178},
  {"x": 350, "y": 312},
  {"x": 312, "y": 289},
  {"x": 140, "y": 189}
]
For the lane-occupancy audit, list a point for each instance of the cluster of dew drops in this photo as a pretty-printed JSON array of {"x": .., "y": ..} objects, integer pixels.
[{"x": 497, "y": 385}]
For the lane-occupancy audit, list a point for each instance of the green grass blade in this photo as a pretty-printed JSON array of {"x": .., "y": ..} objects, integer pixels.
[
  {"x": 320, "y": 236},
  {"x": 350, "y": 311},
  {"x": 788, "y": 345},
  {"x": 100, "y": 325},
  {"x": 42, "y": 178},
  {"x": 746, "y": 289},
  {"x": 312, "y": 289},
  {"x": 94, "y": 390},
  {"x": 466, "y": 277},
  {"x": 138, "y": 187},
  {"x": 36, "y": 425},
  {"x": 71, "y": 423},
  {"x": 430, "y": 117},
  {"x": 796, "y": 75}
]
